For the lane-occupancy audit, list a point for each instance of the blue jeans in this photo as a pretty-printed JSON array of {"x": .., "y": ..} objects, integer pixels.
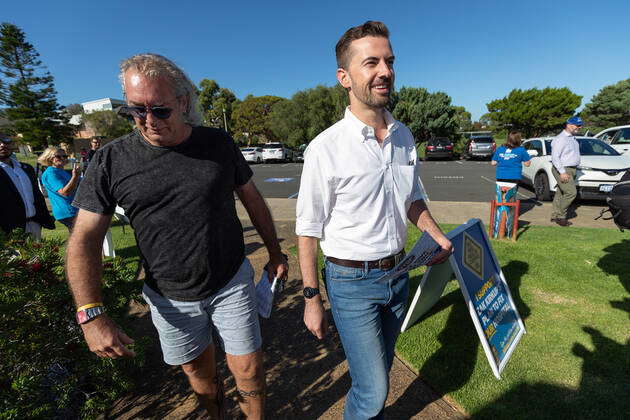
[{"x": 368, "y": 316}]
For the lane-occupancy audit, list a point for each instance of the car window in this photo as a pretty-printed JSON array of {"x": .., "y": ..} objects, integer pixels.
[
  {"x": 622, "y": 137},
  {"x": 247, "y": 149},
  {"x": 272, "y": 146},
  {"x": 591, "y": 147},
  {"x": 534, "y": 145},
  {"x": 259, "y": 149},
  {"x": 482, "y": 139},
  {"x": 548, "y": 147},
  {"x": 608, "y": 135}
]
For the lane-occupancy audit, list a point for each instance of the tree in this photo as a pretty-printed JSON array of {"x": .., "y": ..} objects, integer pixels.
[
  {"x": 534, "y": 112},
  {"x": 610, "y": 107},
  {"x": 252, "y": 116},
  {"x": 463, "y": 118},
  {"x": 28, "y": 91},
  {"x": 426, "y": 114},
  {"x": 107, "y": 124},
  {"x": 215, "y": 101},
  {"x": 73, "y": 109},
  {"x": 309, "y": 112}
]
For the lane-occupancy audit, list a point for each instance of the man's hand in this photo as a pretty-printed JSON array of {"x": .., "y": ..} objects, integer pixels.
[
  {"x": 278, "y": 267},
  {"x": 315, "y": 317},
  {"x": 104, "y": 338},
  {"x": 564, "y": 178},
  {"x": 447, "y": 250}
]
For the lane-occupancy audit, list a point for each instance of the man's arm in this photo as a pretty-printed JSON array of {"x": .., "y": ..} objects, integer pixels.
[
  {"x": 314, "y": 315},
  {"x": 420, "y": 216},
  {"x": 84, "y": 271},
  {"x": 262, "y": 221}
]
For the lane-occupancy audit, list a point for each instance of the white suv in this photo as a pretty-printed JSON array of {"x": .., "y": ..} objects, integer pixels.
[
  {"x": 276, "y": 152},
  {"x": 617, "y": 137},
  {"x": 600, "y": 168}
]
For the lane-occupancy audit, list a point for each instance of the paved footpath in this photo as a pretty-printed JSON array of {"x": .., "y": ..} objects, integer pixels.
[{"x": 306, "y": 378}]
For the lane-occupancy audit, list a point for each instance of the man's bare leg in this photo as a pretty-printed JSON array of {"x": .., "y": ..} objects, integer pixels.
[
  {"x": 250, "y": 382},
  {"x": 202, "y": 375}
]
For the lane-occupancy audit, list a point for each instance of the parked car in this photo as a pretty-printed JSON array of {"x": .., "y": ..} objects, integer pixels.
[
  {"x": 252, "y": 154},
  {"x": 299, "y": 157},
  {"x": 600, "y": 168},
  {"x": 276, "y": 152},
  {"x": 439, "y": 147},
  {"x": 617, "y": 137},
  {"x": 479, "y": 147}
]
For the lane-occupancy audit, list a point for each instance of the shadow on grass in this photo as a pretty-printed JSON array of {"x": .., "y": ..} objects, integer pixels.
[
  {"x": 514, "y": 272},
  {"x": 455, "y": 358},
  {"x": 605, "y": 384}
]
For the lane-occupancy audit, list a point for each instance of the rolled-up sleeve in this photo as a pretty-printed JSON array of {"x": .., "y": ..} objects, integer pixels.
[
  {"x": 417, "y": 193},
  {"x": 313, "y": 204}
]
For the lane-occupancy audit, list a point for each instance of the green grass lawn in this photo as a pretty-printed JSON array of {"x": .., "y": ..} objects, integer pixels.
[
  {"x": 572, "y": 289},
  {"x": 124, "y": 241}
]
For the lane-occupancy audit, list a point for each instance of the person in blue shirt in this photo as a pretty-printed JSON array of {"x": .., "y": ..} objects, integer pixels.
[
  {"x": 510, "y": 158},
  {"x": 59, "y": 184}
]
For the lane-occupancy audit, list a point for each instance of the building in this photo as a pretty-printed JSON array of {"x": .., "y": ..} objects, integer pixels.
[{"x": 104, "y": 104}]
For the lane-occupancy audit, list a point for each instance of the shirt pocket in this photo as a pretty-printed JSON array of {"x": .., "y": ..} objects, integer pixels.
[{"x": 404, "y": 180}]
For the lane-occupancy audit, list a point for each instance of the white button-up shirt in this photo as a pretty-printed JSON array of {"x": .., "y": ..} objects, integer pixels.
[
  {"x": 354, "y": 194},
  {"x": 23, "y": 184}
]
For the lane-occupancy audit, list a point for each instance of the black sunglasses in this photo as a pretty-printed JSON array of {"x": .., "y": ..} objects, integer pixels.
[
  {"x": 61, "y": 156},
  {"x": 140, "y": 112}
]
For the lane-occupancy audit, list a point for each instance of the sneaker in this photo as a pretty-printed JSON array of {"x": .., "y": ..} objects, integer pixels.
[{"x": 563, "y": 222}]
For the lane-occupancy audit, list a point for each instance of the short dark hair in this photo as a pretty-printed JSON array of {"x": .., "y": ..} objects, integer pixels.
[
  {"x": 369, "y": 28},
  {"x": 513, "y": 139}
]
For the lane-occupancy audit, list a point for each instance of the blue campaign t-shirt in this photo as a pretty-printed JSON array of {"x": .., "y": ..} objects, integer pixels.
[
  {"x": 53, "y": 180},
  {"x": 510, "y": 163}
]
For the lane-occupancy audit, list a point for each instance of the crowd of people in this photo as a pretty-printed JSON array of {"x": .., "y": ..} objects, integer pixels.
[{"x": 176, "y": 180}]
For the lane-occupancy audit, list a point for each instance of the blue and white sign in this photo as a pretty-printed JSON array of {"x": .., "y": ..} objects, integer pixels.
[{"x": 485, "y": 290}]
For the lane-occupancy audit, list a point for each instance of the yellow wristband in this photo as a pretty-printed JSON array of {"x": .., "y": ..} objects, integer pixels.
[{"x": 89, "y": 305}]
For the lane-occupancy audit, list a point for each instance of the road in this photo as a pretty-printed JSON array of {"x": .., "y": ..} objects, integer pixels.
[{"x": 443, "y": 180}]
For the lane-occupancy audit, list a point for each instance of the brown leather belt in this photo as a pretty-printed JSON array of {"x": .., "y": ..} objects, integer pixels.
[{"x": 384, "y": 264}]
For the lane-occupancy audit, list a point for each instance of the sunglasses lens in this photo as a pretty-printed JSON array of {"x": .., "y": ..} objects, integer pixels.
[
  {"x": 137, "y": 112},
  {"x": 161, "y": 112}
]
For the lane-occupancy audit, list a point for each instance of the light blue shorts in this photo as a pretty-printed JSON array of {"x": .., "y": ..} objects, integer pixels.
[{"x": 185, "y": 328}]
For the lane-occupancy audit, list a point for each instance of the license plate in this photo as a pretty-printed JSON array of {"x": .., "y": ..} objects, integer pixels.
[{"x": 606, "y": 187}]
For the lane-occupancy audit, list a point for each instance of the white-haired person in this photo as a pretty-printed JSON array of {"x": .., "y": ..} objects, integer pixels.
[
  {"x": 176, "y": 181},
  {"x": 60, "y": 185}
]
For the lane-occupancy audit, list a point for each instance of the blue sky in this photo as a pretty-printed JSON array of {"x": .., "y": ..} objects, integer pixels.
[{"x": 475, "y": 51}]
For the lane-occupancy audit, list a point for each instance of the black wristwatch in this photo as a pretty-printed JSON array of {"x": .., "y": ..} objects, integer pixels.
[{"x": 310, "y": 292}]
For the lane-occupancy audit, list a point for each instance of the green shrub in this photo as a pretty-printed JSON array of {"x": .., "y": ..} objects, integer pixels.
[{"x": 47, "y": 371}]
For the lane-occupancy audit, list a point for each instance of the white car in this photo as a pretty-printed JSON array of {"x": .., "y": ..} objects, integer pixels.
[
  {"x": 252, "y": 154},
  {"x": 617, "y": 137},
  {"x": 276, "y": 152},
  {"x": 600, "y": 168}
]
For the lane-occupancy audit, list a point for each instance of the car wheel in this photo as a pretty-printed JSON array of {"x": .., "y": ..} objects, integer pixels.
[
  {"x": 541, "y": 187},
  {"x": 259, "y": 160}
]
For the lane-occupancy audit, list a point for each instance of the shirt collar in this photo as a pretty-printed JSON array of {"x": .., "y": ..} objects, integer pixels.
[
  {"x": 366, "y": 131},
  {"x": 16, "y": 164}
]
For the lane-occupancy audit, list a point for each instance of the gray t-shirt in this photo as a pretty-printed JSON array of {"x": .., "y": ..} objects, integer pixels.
[{"x": 180, "y": 201}]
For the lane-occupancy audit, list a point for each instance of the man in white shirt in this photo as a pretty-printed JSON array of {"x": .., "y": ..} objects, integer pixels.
[
  {"x": 359, "y": 185},
  {"x": 23, "y": 205}
]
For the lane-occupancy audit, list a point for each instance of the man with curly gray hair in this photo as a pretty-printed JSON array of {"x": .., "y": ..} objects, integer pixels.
[{"x": 175, "y": 181}]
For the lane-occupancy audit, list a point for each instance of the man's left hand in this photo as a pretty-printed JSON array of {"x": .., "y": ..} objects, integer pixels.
[
  {"x": 447, "y": 250},
  {"x": 278, "y": 267}
]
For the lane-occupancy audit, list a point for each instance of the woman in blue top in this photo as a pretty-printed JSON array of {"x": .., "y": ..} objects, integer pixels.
[
  {"x": 59, "y": 184},
  {"x": 510, "y": 158}
]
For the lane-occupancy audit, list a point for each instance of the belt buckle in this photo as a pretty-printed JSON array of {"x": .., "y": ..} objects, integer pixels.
[{"x": 380, "y": 265}]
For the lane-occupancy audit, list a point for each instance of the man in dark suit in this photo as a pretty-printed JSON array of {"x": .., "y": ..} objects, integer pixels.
[{"x": 23, "y": 204}]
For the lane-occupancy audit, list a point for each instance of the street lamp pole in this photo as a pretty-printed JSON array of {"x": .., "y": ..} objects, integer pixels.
[{"x": 225, "y": 120}]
